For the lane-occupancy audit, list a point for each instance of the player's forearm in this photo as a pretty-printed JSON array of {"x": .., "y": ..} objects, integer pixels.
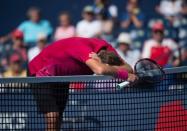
[
  {"x": 104, "y": 69},
  {"x": 126, "y": 67},
  {"x": 116, "y": 71}
]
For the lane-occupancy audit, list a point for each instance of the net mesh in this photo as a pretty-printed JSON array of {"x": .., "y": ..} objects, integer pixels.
[{"x": 94, "y": 105}]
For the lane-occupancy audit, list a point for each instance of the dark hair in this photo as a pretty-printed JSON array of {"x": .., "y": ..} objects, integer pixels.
[
  {"x": 33, "y": 8},
  {"x": 110, "y": 58},
  {"x": 65, "y": 13}
]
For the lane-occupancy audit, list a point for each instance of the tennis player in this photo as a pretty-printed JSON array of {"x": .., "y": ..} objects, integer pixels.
[{"x": 73, "y": 56}]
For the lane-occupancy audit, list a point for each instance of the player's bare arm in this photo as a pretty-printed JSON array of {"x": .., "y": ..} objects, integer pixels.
[
  {"x": 124, "y": 64},
  {"x": 99, "y": 68},
  {"x": 131, "y": 76}
]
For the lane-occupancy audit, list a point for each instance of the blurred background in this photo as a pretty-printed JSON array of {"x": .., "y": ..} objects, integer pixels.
[{"x": 155, "y": 29}]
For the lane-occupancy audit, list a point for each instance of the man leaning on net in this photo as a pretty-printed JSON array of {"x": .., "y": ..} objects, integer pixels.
[{"x": 73, "y": 56}]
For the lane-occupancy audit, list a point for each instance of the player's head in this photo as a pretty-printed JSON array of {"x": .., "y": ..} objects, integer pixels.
[{"x": 110, "y": 58}]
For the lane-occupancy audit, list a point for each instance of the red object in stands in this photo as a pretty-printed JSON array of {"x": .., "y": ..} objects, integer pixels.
[{"x": 161, "y": 55}]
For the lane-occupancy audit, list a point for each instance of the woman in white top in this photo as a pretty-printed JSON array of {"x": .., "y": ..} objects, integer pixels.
[{"x": 65, "y": 29}]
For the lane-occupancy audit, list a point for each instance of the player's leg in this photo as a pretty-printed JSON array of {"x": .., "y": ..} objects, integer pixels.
[
  {"x": 53, "y": 121},
  {"x": 47, "y": 105},
  {"x": 52, "y": 99},
  {"x": 60, "y": 95}
]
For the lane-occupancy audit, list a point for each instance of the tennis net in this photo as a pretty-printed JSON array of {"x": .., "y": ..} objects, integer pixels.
[{"x": 93, "y": 103}]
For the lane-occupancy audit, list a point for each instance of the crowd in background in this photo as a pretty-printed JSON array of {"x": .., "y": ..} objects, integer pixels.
[{"x": 163, "y": 39}]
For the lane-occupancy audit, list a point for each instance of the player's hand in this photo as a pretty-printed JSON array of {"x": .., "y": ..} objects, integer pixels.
[
  {"x": 132, "y": 77},
  {"x": 94, "y": 56}
]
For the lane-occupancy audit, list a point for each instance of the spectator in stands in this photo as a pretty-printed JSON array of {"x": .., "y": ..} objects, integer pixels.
[
  {"x": 124, "y": 42},
  {"x": 106, "y": 13},
  {"x": 159, "y": 48},
  {"x": 65, "y": 29},
  {"x": 172, "y": 10},
  {"x": 34, "y": 26},
  {"x": 184, "y": 8},
  {"x": 184, "y": 57},
  {"x": 133, "y": 17},
  {"x": 31, "y": 28},
  {"x": 169, "y": 8},
  {"x": 41, "y": 44},
  {"x": 4, "y": 48},
  {"x": 88, "y": 27},
  {"x": 16, "y": 45},
  {"x": 107, "y": 32},
  {"x": 15, "y": 69},
  {"x": 102, "y": 8}
]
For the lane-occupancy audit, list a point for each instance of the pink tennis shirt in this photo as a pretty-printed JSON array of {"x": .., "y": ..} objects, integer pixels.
[{"x": 67, "y": 56}]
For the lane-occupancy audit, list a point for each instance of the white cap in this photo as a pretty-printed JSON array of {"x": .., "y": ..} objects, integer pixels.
[
  {"x": 88, "y": 8},
  {"x": 124, "y": 38}
]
